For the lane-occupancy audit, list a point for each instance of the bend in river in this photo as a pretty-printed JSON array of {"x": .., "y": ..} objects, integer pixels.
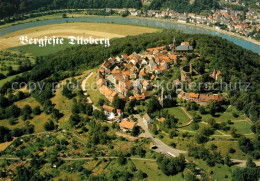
[{"x": 131, "y": 21}]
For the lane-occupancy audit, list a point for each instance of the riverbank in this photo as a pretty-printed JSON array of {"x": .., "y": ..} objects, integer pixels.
[
  {"x": 45, "y": 17},
  {"x": 75, "y": 15},
  {"x": 249, "y": 39}
]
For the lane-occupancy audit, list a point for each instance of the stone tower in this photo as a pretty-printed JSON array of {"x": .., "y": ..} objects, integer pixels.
[
  {"x": 161, "y": 97},
  {"x": 174, "y": 45}
]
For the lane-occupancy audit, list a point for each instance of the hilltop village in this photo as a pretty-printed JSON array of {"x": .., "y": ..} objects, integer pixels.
[{"x": 133, "y": 77}]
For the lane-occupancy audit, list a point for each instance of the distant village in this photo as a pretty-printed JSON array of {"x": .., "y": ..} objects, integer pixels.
[
  {"x": 245, "y": 24},
  {"x": 130, "y": 77}
]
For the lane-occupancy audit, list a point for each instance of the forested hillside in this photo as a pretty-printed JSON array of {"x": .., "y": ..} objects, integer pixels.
[
  {"x": 12, "y": 7},
  {"x": 182, "y": 6},
  {"x": 236, "y": 64}
]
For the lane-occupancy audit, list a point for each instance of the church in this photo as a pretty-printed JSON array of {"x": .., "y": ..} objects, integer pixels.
[{"x": 185, "y": 47}]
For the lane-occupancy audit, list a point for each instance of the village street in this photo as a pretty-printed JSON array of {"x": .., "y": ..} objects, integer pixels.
[{"x": 162, "y": 147}]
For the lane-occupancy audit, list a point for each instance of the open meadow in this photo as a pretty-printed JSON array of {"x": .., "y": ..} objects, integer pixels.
[{"x": 85, "y": 29}]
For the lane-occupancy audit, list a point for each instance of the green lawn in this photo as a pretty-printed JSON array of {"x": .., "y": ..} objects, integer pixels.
[
  {"x": 9, "y": 78},
  {"x": 223, "y": 117},
  {"x": 224, "y": 144},
  {"x": 92, "y": 89},
  {"x": 35, "y": 50},
  {"x": 178, "y": 113},
  {"x": 188, "y": 128},
  {"x": 243, "y": 127},
  {"x": 218, "y": 172},
  {"x": 151, "y": 169}
]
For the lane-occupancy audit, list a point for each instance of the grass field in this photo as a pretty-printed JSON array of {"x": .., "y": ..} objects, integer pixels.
[
  {"x": 218, "y": 172},
  {"x": 85, "y": 29},
  {"x": 28, "y": 101},
  {"x": 9, "y": 78},
  {"x": 151, "y": 169},
  {"x": 92, "y": 90},
  {"x": 178, "y": 113},
  {"x": 243, "y": 127},
  {"x": 35, "y": 50},
  {"x": 223, "y": 117},
  {"x": 4, "y": 145}
]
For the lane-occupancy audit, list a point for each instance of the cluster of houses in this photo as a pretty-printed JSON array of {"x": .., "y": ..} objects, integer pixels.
[
  {"x": 228, "y": 19},
  {"x": 201, "y": 99},
  {"x": 125, "y": 123},
  {"x": 129, "y": 76}
]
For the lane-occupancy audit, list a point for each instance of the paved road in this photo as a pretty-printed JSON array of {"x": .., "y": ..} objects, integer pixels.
[{"x": 162, "y": 147}]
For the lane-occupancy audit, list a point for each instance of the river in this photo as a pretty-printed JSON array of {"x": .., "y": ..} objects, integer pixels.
[{"x": 132, "y": 21}]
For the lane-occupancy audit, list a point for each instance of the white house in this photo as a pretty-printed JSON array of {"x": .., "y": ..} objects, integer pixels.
[
  {"x": 147, "y": 120},
  {"x": 109, "y": 112}
]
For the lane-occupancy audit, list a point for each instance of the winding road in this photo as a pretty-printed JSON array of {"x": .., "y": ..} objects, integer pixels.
[
  {"x": 162, "y": 147},
  {"x": 165, "y": 149},
  {"x": 83, "y": 87}
]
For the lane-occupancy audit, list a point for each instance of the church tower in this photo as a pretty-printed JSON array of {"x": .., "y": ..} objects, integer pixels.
[
  {"x": 161, "y": 98},
  {"x": 174, "y": 45}
]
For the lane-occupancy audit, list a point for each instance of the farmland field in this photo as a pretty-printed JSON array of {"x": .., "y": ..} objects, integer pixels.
[{"x": 104, "y": 30}]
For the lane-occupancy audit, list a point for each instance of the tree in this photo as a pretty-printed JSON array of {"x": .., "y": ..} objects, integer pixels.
[
  {"x": 212, "y": 108},
  {"x": 201, "y": 138},
  {"x": 12, "y": 121},
  {"x": 233, "y": 132},
  {"x": 5, "y": 134},
  {"x": 13, "y": 111},
  {"x": 154, "y": 129},
  {"x": 2, "y": 76},
  {"x": 36, "y": 110},
  {"x": 56, "y": 114},
  {"x": 48, "y": 126},
  {"x": 212, "y": 122},
  {"x": 195, "y": 126},
  {"x": 98, "y": 115},
  {"x": 227, "y": 160},
  {"x": 89, "y": 109},
  {"x": 67, "y": 92},
  {"x": 189, "y": 176},
  {"x": 74, "y": 119},
  {"x": 173, "y": 134},
  {"x": 101, "y": 101},
  {"x": 202, "y": 110},
  {"x": 64, "y": 15},
  {"x": 250, "y": 163},
  {"x": 171, "y": 166},
  {"x": 129, "y": 107},
  {"x": 141, "y": 175},
  {"x": 20, "y": 95},
  {"x": 245, "y": 144},
  {"x": 26, "y": 110},
  {"x": 135, "y": 131},
  {"x": 118, "y": 103},
  {"x": 121, "y": 159},
  {"x": 153, "y": 105},
  {"x": 3, "y": 101}
]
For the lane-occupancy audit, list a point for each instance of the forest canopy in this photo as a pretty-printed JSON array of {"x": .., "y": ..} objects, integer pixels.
[{"x": 12, "y": 7}]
